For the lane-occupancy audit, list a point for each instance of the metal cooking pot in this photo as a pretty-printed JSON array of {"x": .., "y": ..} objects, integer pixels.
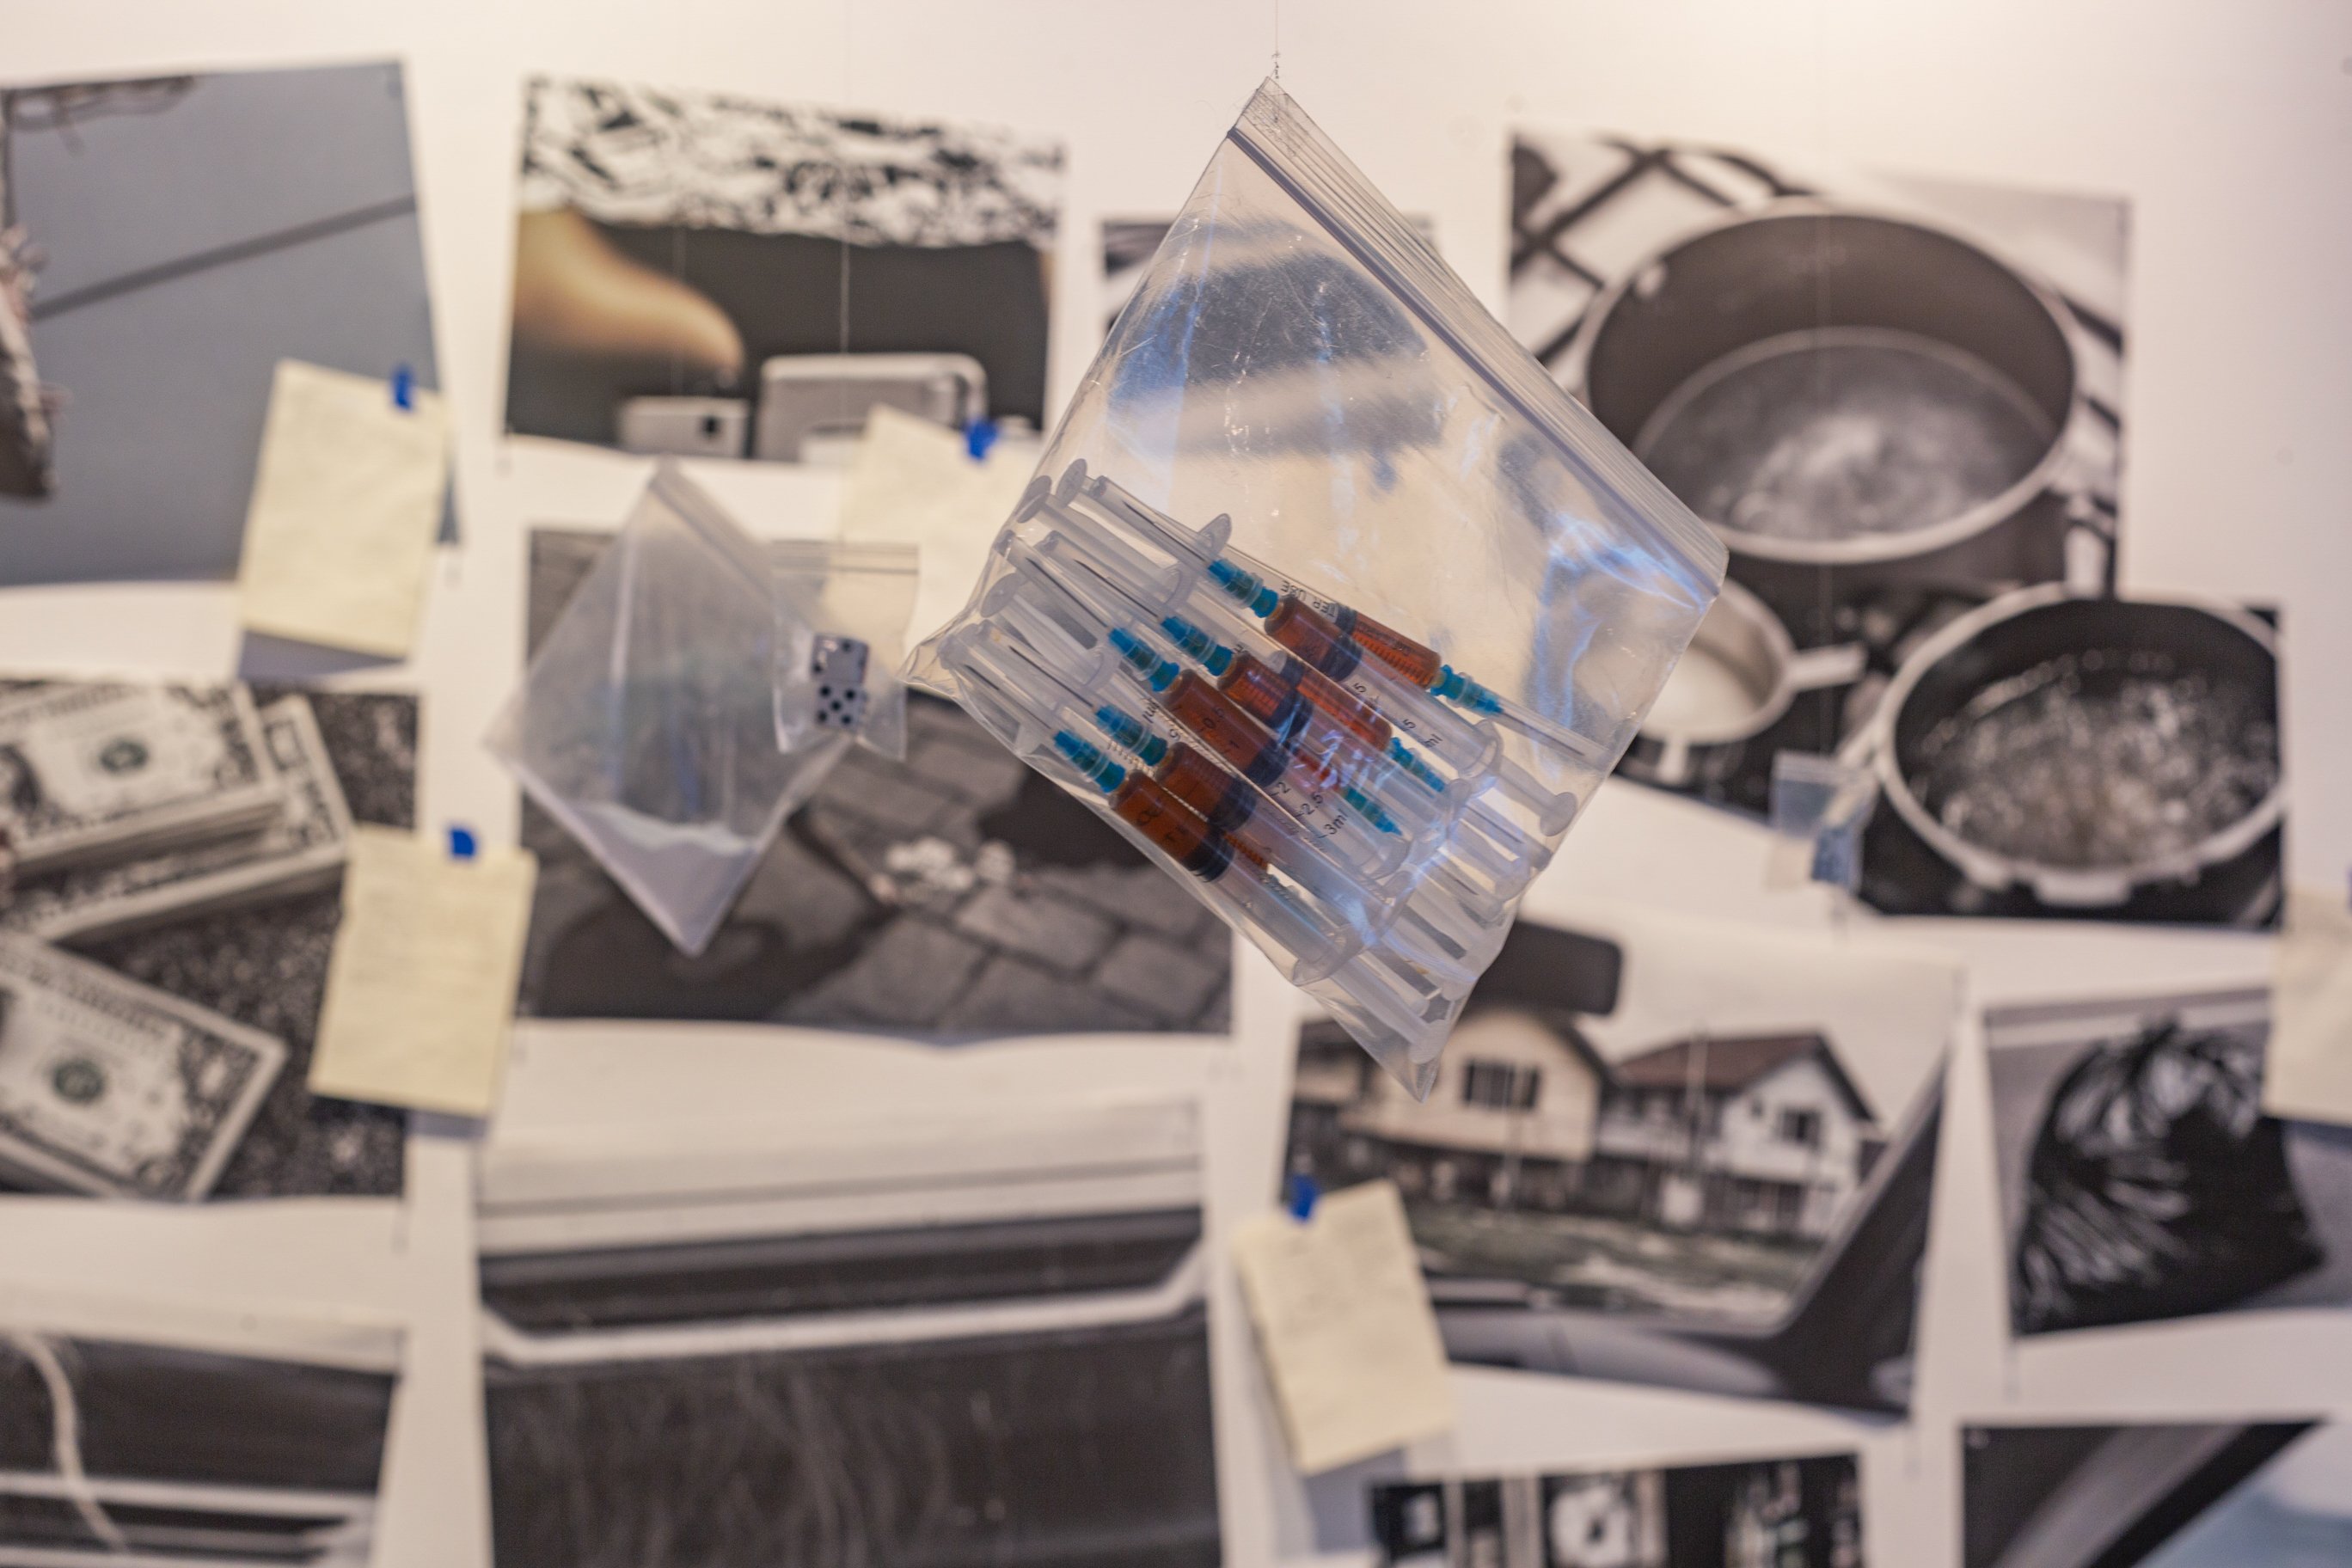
[
  {"x": 2013, "y": 635},
  {"x": 1733, "y": 683},
  {"x": 1702, "y": 359}
]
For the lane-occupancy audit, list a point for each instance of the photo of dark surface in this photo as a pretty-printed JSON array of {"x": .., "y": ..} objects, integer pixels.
[
  {"x": 170, "y": 239},
  {"x": 957, "y": 894},
  {"x": 1899, "y": 401},
  {"x": 997, "y": 1352},
  {"x": 239, "y": 922},
  {"x": 2140, "y": 1179},
  {"x": 115, "y": 1449},
  {"x": 2217, "y": 1495},
  {"x": 678, "y": 254},
  {"x": 1774, "y": 1513},
  {"x": 1616, "y": 1177}
]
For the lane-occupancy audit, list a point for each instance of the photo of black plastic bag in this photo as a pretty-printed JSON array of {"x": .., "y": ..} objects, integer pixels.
[{"x": 2140, "y": 1179}]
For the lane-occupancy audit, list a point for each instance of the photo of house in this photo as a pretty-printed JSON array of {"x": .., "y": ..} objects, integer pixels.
[
  {"x": 1638, "y": 1122},
  {"x": 1764, "y": 1135}
]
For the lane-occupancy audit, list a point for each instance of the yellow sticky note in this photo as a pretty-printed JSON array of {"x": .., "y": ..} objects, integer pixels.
[
  {"x": 421, "y": 988},
  {"x": 1344, "y": 1327},
  {"x": 346, "y": 504},
  {"x": 2308, "y": 1069},
  {"x": 914, "y": 482}
]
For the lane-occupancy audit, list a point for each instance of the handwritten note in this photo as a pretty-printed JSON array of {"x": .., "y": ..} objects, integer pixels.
[
  {"x": 420, "y": 988},
  {"x": 913, "y": 482},
  {"x": 346, "y": 505},
  {"x": 2307, "y": 1070},
  {"x": 1344, "y": 1327}
]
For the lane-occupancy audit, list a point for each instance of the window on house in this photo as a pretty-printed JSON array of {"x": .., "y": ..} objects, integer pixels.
[
  {"x": 1500, "y": 1086},
  {"x": 1802, "y": 1127}
]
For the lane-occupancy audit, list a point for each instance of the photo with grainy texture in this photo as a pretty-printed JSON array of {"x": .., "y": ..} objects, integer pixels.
[
  {"x": 165, "y": 242},
  {"x": 1900, "y": 402},
  {"x": 712, "y": 274},
  {"x": 163, "y": 953},
  {"x": 150, "y": 1432},
  {"x": 2140, "y": 1179},
  {"x": 1662, "y": 1151},
  {"x": 2157, "y": 1495},
  {"x": 957, "y": 894}
]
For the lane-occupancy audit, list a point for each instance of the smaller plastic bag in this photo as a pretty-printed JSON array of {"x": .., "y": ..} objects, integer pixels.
[
  {"x": 647, "y": 724},
  {"x": 1820, "y": 807},
  {"x": 842, "y": 610}
]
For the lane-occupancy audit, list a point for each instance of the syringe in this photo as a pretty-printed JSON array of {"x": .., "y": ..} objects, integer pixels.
[
  {"x": 1240, "y": 869},
  {"x": 1507, "y": 862},
  {"x": 1407, "y": 943},
  {"x": 1292, "y": 703},
  {"x": 1327, "y": 635},
  {"x": 1253, "y": 585},
  {"x": 1272, "y": 697},
  {"x": 1312, "y": 752},
  {"x": 1050, "y": 675},
  {"x": 1415, "y": 945},
  {"x": 1169, "y": 595}
]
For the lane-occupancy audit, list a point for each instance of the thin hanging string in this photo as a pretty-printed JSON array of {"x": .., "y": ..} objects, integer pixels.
[
  {"x": 1277, "y": 42},
  {"x": 841, "y": 197}
]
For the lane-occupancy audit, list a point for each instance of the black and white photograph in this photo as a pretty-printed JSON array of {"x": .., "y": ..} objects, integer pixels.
[
  {"x": 1908, "y": 427},
  {"x": 164, "y": 952},
  {"x": 2140, "y": 1179},
  {"x": 1764, "y": 1514},
  {"x": 1663, "y": 1151},
  {"x": 715, "y": 276},
  {"x": 981, "y": 1342},
  {"x": 957, "y": 895},
  {"x": 165, "y": 241},
  {"x": 2208, "y": 1494},
  {"x": 155, "y": 1431}
]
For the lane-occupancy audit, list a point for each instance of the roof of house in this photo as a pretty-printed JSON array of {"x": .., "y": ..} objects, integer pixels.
[
  {"x": 1554, "y": 1022},
  {"x": 1727, "y": 1065}
]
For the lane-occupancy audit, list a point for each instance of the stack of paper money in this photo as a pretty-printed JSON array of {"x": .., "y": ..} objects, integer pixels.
[{"x": 127, "y": 805}]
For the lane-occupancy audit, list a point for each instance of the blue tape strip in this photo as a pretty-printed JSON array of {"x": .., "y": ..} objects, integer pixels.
[
  {"x": 462, "y": 846},
  {"x": 1302, "y": 1195},
  {"x": 403, "y": 388}
]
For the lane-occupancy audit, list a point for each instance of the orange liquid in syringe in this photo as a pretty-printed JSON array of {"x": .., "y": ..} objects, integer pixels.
[
  {"x": 1330, "y": 643},
  {"x": 1271, "y": 697},
  {"x": 1180, "y": 834}
]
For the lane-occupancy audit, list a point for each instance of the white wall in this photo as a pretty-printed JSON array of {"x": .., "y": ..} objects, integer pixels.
[{"x": 2229, "y": 127}]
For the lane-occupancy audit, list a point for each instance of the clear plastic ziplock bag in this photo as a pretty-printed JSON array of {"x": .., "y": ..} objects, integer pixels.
[
  {"x": 646, "y": 724},
  {"x": 842, "y": 609},
  {"x": 1327, "y": 595}
]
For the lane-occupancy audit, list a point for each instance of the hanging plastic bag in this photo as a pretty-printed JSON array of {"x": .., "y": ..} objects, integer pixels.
[
  {"x": 843, "y": 608},
  {"x": 647, "y": 724},
  {"x": 1327, "y": 595}
]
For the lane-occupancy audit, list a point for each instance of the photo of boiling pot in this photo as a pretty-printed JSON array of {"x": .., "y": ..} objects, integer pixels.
[{"x": 1899, "y": 402}]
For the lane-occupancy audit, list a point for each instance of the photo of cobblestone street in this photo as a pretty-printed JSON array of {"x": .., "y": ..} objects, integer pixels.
[{"x": 954, "y": 896}]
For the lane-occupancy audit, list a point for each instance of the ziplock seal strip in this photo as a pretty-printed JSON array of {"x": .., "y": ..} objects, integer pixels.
[
  {"x": 1296, "y": 155},
  {"x": 677, "y": 492}
]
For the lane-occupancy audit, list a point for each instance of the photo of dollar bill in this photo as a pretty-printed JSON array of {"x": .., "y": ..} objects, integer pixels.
[
  {"x": 226, "y": 915},
  {"x": 111, "y": 1086},
  {"x": 98, "y": 771},
  {"x": 300, "y": 849}
]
